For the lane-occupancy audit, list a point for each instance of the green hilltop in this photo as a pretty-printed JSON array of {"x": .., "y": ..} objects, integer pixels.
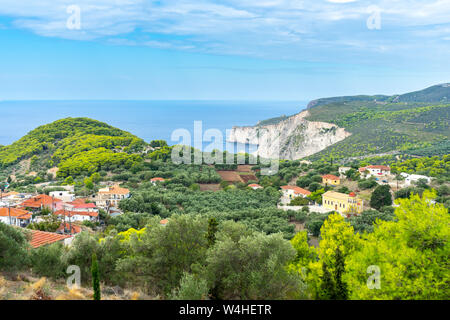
[
  {"x": 72, "y": 142},
  {"x": 435, "y": 94},
  {"x": 414, "y": 123}
]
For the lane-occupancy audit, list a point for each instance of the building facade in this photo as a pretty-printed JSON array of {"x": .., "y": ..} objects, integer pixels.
[
  {"x": 292, "y": 192},
  {"x": 377, "y": 170},
  {"x": 15, "y": 217},
  {"x": 345, "y": 204},
  {"x": 331, "y": 180},
  {"x": 111, "y": 196}
]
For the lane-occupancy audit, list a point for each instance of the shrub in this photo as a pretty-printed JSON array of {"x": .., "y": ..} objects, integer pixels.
[
  {"x": 191, "y": 288},
  {"x": 47, "y": 260}
]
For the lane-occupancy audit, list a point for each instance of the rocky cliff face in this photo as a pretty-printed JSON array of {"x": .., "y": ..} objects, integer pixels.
[{"x": 290, "y": 139}]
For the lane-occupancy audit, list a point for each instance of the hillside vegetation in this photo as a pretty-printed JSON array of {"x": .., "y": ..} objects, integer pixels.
[
  {"x": 75, "y": 145},
  {"x": 416, "y": 123}
]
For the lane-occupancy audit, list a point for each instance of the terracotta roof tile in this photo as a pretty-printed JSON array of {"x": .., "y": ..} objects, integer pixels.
[
  {"x": 40, "y": 238},
  {"x": 114, "y": 190},
  {"x": 330, "y": 177},
  {"x": 297, "y": 190},
  {"x": 82, "y": 205},
  {"x": 39, "y": 201},
  {"x": 16, "y": 213},
  {"x": 75, "y": 228}
]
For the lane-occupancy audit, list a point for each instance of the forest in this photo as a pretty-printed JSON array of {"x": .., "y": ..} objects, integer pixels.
[{"x": 199, "y": 257}]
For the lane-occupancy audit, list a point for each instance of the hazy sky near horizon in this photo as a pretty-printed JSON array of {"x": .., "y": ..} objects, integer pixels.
[{"x": 220, "y": 50}]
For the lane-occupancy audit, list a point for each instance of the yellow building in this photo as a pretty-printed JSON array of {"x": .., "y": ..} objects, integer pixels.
[
  {"x": 331, "y": 180},
  {"x": 346, "y": 204}
]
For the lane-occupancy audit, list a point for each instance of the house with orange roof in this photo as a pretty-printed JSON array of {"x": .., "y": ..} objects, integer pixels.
[
  {"x": 163, "y": 222},
  {"x": 111, "y": 196},
  {"x": 8, "y": 194},
  {"x": 15, "y": 217},
  {"x": 40, "y": 202},
  {"x": 330, "y": 179},
  {"x": 42, "y": 238},
  {"x": 68, "y": 228},
  {"x": 82, "y": 205},
  {"x": 255, "y": 186},
  {"x": 156, "y": 180},
  {"x": 292, "y": 192}
]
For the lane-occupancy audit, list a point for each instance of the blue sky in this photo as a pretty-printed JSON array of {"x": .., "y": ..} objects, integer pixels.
[{"x": 221, "y": 50}]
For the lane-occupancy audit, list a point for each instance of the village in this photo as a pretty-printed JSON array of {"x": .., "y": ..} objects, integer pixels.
[
  {"x": 347, "y": 204},
  {"x": 21, "y": 209},
  {"x": 72, "y": 213}
]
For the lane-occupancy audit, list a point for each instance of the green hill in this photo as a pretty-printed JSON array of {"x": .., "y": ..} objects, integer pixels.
[
  {"x": 66, "y": 142},
  {"x": 379, "y": 124},
  {"x": 439, "y": 93},
  {"x": 436, "y": 94}
]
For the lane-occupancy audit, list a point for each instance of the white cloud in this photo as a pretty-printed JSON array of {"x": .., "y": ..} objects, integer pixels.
[
  {"x": 233, "y": 26},
  {"x": 341, "y": 1}
]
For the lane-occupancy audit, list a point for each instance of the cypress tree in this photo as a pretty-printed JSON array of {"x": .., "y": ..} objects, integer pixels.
[
  {"x": 327, "y": 287},
  {"x": 341, "y": 286},
  {"x": 95, "y": 278},
  {"x": 212, "y": 229}
]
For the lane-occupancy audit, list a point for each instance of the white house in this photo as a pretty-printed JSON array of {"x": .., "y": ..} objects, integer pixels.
[
  {"x": 292, "y": 192},
  {"x": 413, "y": 178},
  {"x": 65, "y": 196},
  {"x": 376, "y": 170},
  {"x": 255, "y": 186},
  {"x": 80, "y": 205},
  {"x": 15, "y": 217},
  {"x": 77, "y": 215}
]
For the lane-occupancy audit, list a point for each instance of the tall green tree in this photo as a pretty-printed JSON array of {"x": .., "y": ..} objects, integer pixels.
[
  {"x": 381, "y": 197},
  {"x": 212, "y": 230},
  {"x": 341, "y": 290},
  {"x": 95, "y": 278},
  {"x": 327, "y": 285}
]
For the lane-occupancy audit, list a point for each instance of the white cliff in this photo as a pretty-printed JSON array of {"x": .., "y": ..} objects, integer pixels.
[{"x": 292, "y": 138}]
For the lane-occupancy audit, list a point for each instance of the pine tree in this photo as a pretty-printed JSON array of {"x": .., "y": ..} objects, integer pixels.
[
  {"x": 95, "y": 278},
  {"x": 381, "y": 197}
]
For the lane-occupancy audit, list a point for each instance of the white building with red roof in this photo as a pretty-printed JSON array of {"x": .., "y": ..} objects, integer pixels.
[
  {"x": 81, "y": 216},
  {"x": 375, "y": 170},
  {"x": 82, "y": 205},
  {"x": 15, "y": 217},
  {"x": 292, "y": 192},
  {"x": 255, "y": 186}
]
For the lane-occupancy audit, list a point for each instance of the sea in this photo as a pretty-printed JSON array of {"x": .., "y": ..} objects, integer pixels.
[{"x": 149, "y": 120}]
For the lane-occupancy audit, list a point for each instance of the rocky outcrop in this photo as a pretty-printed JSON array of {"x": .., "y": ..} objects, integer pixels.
[{"x": 292, "y": 138}]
